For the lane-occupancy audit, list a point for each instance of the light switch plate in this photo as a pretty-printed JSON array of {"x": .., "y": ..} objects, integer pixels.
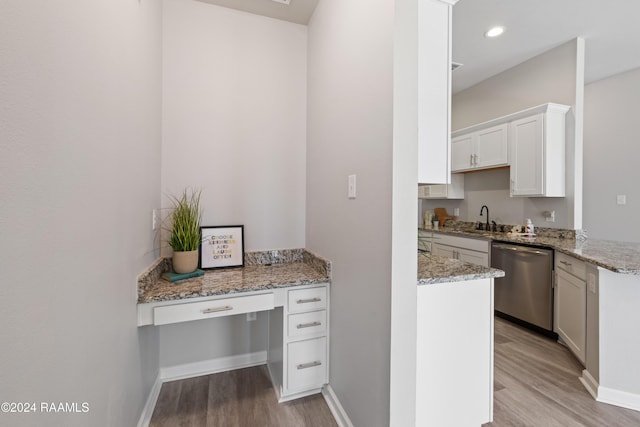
[
  {"x": 351, "y": 193},
  {"x": 622, "y": 199}
]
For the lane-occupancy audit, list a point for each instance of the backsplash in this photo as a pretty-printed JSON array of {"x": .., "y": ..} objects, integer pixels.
[{"x": 556, "y": 233}]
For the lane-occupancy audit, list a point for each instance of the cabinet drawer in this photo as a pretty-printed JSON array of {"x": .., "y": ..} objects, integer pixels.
[
  {"x": 213, "y": 308},
  {"x": 306, "y": 324},
  {"x": 307, "y": 364},
  {"x": 571, "y": 265},
  {"x": 307, "y": 299}
]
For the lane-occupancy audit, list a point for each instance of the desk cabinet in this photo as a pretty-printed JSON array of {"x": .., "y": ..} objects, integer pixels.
[{"x": 298, "y": 343}]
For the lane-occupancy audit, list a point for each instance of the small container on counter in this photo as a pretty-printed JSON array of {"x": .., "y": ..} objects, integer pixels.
[{"x": 529, "y": 228}]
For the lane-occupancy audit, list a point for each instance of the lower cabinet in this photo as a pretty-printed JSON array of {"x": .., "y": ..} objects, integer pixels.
[
  {"x": 474, "y": 251},
  {"x": 571, "y": 304},
  {"x": 298, "y": 343}
]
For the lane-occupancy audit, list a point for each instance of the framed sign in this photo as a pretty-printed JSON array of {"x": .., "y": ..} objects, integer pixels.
[{"x": 222, "y": 246}]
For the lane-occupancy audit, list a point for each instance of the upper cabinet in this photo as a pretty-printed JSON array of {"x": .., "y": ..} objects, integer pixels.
[
  {"x": 531, "y": 142},
  {"x": 434, "y": 91},
  {"x": 537, "y": 143},
  {"x": 482, "y": 149}
]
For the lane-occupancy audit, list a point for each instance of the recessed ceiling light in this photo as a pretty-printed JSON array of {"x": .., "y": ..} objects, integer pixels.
[{"x": 494, "y": 32}]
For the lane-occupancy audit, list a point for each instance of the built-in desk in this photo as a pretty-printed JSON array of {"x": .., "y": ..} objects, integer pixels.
[{"x": 293, "y": 285}]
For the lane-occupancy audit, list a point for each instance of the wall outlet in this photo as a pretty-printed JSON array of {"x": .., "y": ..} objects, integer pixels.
[
  {"x": 591, "y": 282},
  {"x": 549, "y": 216},
  {"x": 622, "y": 199},
  {"x": 456, "y": 211},
  {"x": 252, "y": 316}
]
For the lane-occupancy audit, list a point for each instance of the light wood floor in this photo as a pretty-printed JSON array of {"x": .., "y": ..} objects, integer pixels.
[
  {"x": 240, "y": 398},
  {"x": 536, "y": 384}
]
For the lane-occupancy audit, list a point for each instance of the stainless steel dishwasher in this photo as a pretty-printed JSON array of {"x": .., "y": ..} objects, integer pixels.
[{"x": 525, "y": 293}]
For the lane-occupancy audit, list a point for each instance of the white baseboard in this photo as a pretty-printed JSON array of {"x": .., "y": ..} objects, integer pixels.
[
  {"x": 190, "y": 370},
  {"x": 212, "y": 366},
  {"x": 619, "y": 398},
  {"x": 589, "y": 383},
  {"x": 147, "y": 411},
  {"x": 335, "y": 407}
]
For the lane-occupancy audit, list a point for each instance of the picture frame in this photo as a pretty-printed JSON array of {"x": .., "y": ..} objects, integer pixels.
[{"x": 221, "y": 246}]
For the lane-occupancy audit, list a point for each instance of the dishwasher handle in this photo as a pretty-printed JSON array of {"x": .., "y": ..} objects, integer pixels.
[{"x": 521, "y": 249}]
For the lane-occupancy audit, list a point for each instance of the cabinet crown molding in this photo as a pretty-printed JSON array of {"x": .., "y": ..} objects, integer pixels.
[{"x": 513, "y": 116}]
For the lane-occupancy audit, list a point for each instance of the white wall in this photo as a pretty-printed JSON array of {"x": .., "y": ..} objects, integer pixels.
[
  {"x": 350, "y": 114},
  {"x": 611, "y": 154},
  {"x": 554, "y": 76},
  {"x": 80, "y": 172},
  {"x": 234, "y": 125},
  {"x": 234, "y": 118}
]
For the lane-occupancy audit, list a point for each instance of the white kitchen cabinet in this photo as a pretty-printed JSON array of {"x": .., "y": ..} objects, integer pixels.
[
  {"x": 455, "y": 190},
  {"x": 481, "y": 149},
  {"x": 298, "y": 343},
  {"x": 434, "y": 90},
  {"x": 474, "y": 251},
  {"x": 537, "y": 144},
  {"x": 571, "y": 304}
]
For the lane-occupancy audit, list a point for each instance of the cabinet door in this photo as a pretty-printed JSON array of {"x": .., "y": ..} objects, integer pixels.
[
  {"x": 473, "y": 257},
  {"x": 443, "y": 250},
  {"x": 462, "y": 153},
  {"x": 434, "y": 91},
  {"x": 571, "y": 309},
  {"x": 492, "y": 147},
  {"x": 527, "y": 156}
]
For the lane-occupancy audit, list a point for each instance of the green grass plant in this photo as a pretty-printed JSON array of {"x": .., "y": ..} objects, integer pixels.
[{"x": 186, "y": 216}]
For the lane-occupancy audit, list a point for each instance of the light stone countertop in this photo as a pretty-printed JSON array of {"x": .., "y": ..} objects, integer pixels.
[
  {"x": 295, "y": 267},
  {"x": 619, "y": 257},
  {"x": 436, "y": 269}
]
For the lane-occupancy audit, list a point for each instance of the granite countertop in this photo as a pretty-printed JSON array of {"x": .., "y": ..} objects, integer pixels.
[
  {"x": 262, "y": 270},
  {"x": 436, "y": 269},
  {"x": 619, "y": 257}
]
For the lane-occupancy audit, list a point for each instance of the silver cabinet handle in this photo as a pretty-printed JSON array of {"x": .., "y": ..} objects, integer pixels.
[
  {"x": 216, "y": 309},
  {"x": 565, "y": 263},
  {"x": 309, "y": 365},
  {"x": 308, "y": 325},
  {"x": 470, "y": 159},
  {"x": 305, "y": 301}
]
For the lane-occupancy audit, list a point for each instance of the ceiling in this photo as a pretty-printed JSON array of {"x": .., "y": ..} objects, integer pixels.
[
  {"x": 610, "y": 28},
  {"x": 297, "y": 11}
]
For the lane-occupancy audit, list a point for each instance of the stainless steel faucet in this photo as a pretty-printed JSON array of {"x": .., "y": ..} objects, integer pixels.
[{"x": 486, "y": 227}]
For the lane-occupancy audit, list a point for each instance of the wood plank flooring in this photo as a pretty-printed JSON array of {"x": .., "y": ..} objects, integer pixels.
[
  {"x": 240, "y": 398},
  {"x": 536, "y": 384}
]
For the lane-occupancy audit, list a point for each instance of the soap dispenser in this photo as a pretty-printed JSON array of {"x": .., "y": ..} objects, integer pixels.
[{"x": 529, "y": 227}]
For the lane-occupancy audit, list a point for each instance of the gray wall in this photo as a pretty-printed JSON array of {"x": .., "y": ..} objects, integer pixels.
[
  {"x": 234, "y": 125},
  {"x": 80, "y": 172},
  {"x": 611, "y": 153},
  {"x": 350, "y": 98},
  {"x": 553, "y": 76}
]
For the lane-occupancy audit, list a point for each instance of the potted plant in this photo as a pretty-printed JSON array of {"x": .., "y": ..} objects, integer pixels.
[{"x": 185, "y": 231}]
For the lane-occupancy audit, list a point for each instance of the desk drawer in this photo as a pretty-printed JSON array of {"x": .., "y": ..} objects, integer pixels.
[
  {"x": 307, "y": 299},
  {"x": 213, "y": 308},
  {"x": 307, "y": 324},
  {"x": 307, "y": 364}
]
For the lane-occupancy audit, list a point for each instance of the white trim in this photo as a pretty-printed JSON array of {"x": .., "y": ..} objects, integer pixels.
[
  {"x": 212, "y": 366},
  {"x": 589, "y": 383},
  {"x": 190, "y": 370},
  {"x": 619, "y": 398},
  {"x": 335, "y": 407},
  {"x": 147, "y": 411}
]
